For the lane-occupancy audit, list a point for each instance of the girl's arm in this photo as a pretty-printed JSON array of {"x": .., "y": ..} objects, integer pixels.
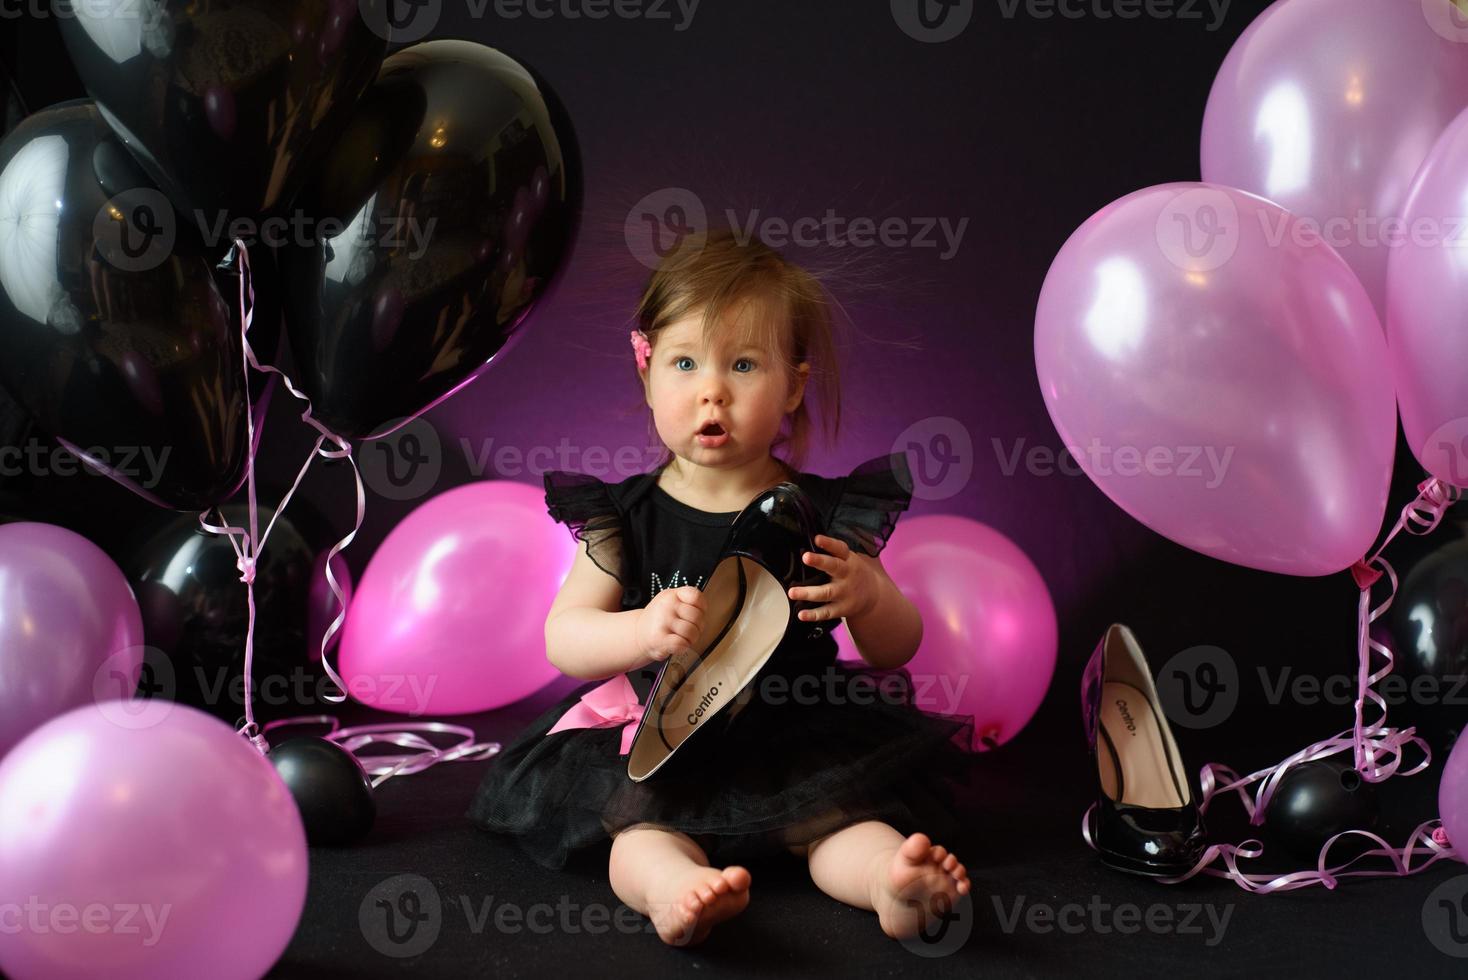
[
  {"x": 888, "y": 634},
  {"x": 587, "y": 634}
]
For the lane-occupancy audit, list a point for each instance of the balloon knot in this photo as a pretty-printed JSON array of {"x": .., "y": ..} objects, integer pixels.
[
  {"x": 1440, "y": 836},
  {"x": 246, "y": 566},
  {"x": 1364, "y": 575}
]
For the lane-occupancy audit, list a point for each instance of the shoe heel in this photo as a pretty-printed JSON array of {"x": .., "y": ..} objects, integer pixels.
[{"x": 1146, "y": 821}]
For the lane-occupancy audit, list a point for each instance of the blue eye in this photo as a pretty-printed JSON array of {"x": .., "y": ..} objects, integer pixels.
[
  {"x": 681, "y": 360},
  {"x": 745, "y": 360}
]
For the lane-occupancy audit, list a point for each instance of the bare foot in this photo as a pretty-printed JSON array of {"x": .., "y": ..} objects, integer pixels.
[
  {"x": 922, "y": 883},
  {"x": 693, "y": 905}
]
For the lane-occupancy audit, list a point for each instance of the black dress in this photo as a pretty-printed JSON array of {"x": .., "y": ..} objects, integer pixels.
[{"x": 810, "y": 765}]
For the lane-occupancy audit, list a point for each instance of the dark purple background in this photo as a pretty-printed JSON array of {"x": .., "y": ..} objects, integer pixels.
[{"x": 1023, "y": 126}]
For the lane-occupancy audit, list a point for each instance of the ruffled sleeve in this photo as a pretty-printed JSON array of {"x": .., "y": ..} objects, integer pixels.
[
  {"x": 869, "y": 501},
  {"x": 585, "y": 505}
]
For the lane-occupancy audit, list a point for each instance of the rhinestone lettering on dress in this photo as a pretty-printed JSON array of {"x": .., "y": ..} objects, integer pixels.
[{"x": 677, "y": 581}]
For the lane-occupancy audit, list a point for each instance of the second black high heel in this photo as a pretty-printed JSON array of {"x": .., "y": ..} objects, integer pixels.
[{"x": 1144, "y": 820}]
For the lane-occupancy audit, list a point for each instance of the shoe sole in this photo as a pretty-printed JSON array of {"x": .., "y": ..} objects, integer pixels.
[{"x": 703, "y": 685}]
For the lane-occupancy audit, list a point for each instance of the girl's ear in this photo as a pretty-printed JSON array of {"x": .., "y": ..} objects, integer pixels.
[{"x": 797, "y": 387}]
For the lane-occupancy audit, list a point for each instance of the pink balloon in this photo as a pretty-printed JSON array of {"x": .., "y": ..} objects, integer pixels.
[
  {"x": 1427, "y": 310},
  {"x": 146, "y": 840},
  {"x": 1226, "y": 389},
  {"x": 449, "y": 617},
  {"x": 989, "y": 630},
  {"x": 1452, "y": 795},
  {"x": 1326, "y": 107},
  {"x": 70, "y": 628}
]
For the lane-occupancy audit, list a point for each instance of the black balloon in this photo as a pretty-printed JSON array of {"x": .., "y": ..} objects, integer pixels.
[
  {"x": 113, "y": 334},
  {"x": 1316, "y": 800},
  {"x": 195, "y": 614},
  {"x": 330, "y": 787},
  {"x": 1429, "y": 630},
  {"x": 226, "y": 102},
  {"x": 457, "y": 190}
]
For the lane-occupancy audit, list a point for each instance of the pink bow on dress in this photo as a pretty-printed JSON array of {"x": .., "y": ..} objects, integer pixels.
[{"x": 612, "y": 703}]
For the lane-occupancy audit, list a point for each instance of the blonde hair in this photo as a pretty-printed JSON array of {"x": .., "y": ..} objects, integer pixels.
[{"x": 779, "y": 305}]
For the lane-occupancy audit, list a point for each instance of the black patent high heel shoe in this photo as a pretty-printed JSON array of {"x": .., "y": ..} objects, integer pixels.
[
  {"x": 1144, "y": 820},
  {"x": 750, "y": 613}
]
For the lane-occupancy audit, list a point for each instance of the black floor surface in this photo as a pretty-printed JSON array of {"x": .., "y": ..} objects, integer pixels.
[{"x": 1042, "y": 905}]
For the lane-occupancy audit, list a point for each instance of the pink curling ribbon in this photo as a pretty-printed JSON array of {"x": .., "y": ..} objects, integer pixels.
[
  {"x": 641, "y": 347},
  {"x": 1377, "y": 748},
  {"x": 252, "y": 542},
  {"x": 395, "y": 733},
  {"x": 612, "y": 703}
]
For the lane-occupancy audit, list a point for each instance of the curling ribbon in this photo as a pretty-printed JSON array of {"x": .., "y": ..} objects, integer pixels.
[
  {"x": 247, "y": 551},
  {"x": 1377, "y": 749}
]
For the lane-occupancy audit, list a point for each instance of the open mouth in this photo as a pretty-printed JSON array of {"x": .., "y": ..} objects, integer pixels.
[{"x": 712, "y": 429}]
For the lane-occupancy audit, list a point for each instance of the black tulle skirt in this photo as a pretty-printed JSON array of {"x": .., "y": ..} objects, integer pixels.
[{"x": 811, "y": 759}]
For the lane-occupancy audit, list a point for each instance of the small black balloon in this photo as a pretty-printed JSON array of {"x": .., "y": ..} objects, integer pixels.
[
  {"x": 195, "y": 616},
  {"x": 1429, "y": 629},
  {"x": 330, "y": 787},
  {"x": 1316, "y": 800}
]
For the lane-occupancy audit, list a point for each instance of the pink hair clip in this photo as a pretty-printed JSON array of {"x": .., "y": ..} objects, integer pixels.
[{"x": 641, "y": 345}]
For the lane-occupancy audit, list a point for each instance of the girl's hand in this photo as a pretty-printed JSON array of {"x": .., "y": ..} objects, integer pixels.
[
  {"x": 670, "y": 623},
  {"x": 856, "y": 582}
]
